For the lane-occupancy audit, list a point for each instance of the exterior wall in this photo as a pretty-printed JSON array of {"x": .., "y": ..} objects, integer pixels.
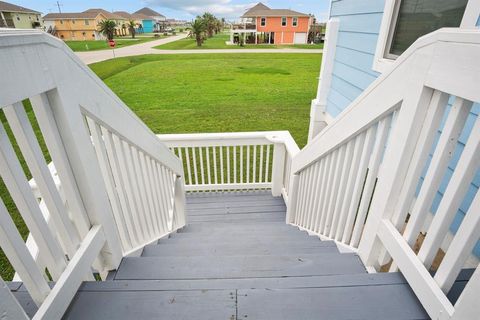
[
  {"x": 274, "y": 24},
  {"x": 147, "y": 26},
  {"x": 68, "y": 29},
  {"x": 357, "y": 39},
  {"x": 23, "y": 20},
  {"x": 359, "y": 25}
]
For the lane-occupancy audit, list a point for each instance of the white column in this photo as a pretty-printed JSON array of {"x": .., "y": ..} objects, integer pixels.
[{"x": 317, "y": 112}]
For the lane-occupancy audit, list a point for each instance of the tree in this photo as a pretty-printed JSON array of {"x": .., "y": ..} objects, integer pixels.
[
  {"x": 131, "y": 27},
  {"x": 107, "y": 27},
  {"x": 210, "y": 23},
  {"x": 197, "y": 31}
]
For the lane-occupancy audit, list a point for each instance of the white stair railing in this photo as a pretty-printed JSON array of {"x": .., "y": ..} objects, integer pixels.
[
  {"x": 235, "y": 161},
  {"x": 358, "y": 182},
  {"x": 112, "y": 186}
]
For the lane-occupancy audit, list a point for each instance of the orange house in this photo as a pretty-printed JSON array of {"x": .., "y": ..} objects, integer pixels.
[{"x": 273, "y": 26}]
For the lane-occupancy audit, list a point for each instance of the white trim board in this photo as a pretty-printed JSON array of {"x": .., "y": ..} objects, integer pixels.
[{"x": 380, "y": 62}]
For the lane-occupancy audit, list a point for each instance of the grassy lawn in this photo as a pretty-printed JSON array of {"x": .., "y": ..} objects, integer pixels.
[
  {"x": 93, "y": 45},
  {"x": 218, "y": 42},
  {"x": 205, "y": 93}
]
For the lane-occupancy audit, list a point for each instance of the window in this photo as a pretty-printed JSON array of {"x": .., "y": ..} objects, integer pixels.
[
  {"x": 415, "y": 18},
  {"x": 295, "y": 21},
  {"x": 284, "y": 21},
  {"x": 73, "y": 21},
  {"x": 263, "y": 21},
  {"x": 18, "y": 18},
  {"x": 404, "y": 21},
  {"x": 61, "y": 21},
  {"x": 87, "y": 22}
]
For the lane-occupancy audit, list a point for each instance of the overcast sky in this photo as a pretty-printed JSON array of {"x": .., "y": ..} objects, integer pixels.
[{"x": 179, "y": 9}]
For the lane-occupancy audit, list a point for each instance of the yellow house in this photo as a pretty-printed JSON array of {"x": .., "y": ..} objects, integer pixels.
[
  {"x": 82, "y": 25},
  {"x": 13, "y": 16}
]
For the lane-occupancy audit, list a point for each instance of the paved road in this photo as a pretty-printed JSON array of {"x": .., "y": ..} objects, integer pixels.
[{"x": 147, "y": 48}]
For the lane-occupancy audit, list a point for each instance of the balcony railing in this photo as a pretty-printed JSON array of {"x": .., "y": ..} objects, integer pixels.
[{"x": 235, "y": 161}]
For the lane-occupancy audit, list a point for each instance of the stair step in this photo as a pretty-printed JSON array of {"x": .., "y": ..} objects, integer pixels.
[
  {"x": 244, "y": 217},
  {"x": 236, "y": 204},
  {"x": 193, "y": 248},
  {"x": 222, "y": 267},
  {"x": 236, "y": 210},
  {"x": 244, "y": 238},
  {"x": 240, "y": 230},
  {"x": 251, "y": 227}
]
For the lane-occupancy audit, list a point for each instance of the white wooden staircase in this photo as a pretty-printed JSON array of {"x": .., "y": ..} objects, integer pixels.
[{"x": 108, "y": 200}]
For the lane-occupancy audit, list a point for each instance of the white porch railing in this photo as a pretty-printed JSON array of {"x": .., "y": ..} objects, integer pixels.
[
  {"x": 235, "y": 161},
  {"x": 357, "y": 180},
  {"x": 112, "y": 188}
]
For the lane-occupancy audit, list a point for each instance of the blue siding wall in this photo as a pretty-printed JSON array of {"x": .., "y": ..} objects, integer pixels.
[
  {"x": 147, "y": 26},
  {"x": 352, "y": 73},
  {"x": 357, "y": 39}
]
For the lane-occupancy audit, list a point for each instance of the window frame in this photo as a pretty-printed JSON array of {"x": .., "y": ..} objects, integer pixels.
[
  {"x": 286, "y": 22},
  {"x": 383, "y": 60},
  {"x": 86, "y": 22},
  {"x": 263, "y": 21},
  {"x": 295, "y": 22}
]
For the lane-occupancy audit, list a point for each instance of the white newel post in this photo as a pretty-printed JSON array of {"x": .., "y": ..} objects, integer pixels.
[
  {"x": 86, "y": 170},
  {"x": 179, "y": 193},
  {"x": 394, "y": 166},
  {"x": 292, "y": 197},
  {"x": 278, "y": 168},
  {"x": 317, "y": 111}
]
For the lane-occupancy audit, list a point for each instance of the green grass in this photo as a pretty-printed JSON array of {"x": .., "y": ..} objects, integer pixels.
[
  {"x": 217, "y": 92},
  {"x": 218, "y": 42},
  {"x": 204, "y": 93},
  {"x": 94, "y": 45}
]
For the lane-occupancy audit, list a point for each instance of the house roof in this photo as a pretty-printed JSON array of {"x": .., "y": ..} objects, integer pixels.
[
  {"x": 261, "y": 10},
  {"x": 107, "y": 14},
  {"x": 71, "y": 15},
  {"x": 149, "y": 12},
  {"x": 123, "y": 14},
  {"x": 8, "y": 7},
  {"x": 257, "y": 7}
]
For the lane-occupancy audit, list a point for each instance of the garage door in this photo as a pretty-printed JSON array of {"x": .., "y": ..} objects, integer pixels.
[{"x": 300, "y": 38}]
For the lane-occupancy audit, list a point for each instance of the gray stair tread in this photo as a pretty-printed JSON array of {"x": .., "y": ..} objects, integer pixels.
[
  {"x": 236, "y": 210},
  {"x": 241, "y": 235},
  {"x": 236, "y": 204},
  {"x": 212, "y": 226},
  {"x": 200, "y": 304},
  {"x": 361, "y": 302},
  {"x": 247, "y": 241},
  {"x": 221, "y": 267},
  {"x": 328, "y": 281},
  {"x": 249, "y": 217},
  {"x": 192, "y": 248}
]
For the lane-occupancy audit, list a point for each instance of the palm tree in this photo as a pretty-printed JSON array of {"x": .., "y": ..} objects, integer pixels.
[
  {"x": 107, "y": 27},
  {"x": 210, "y": 23},
  {"x": 197, "y": 30},
  {"x": 131, "y": 27}
]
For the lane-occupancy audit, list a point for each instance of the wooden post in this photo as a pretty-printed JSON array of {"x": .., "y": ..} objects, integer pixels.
[
  {"x": 292, "y": 198},
  {"x": 86, "y": 170},
  {"x": 278, "y": 169}
]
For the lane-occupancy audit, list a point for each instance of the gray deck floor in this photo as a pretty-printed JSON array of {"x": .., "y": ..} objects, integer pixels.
[{"x": 237, "y": 259}]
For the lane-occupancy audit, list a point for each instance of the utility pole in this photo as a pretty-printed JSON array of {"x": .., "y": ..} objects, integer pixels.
[{"x": 59, "y": 5}]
